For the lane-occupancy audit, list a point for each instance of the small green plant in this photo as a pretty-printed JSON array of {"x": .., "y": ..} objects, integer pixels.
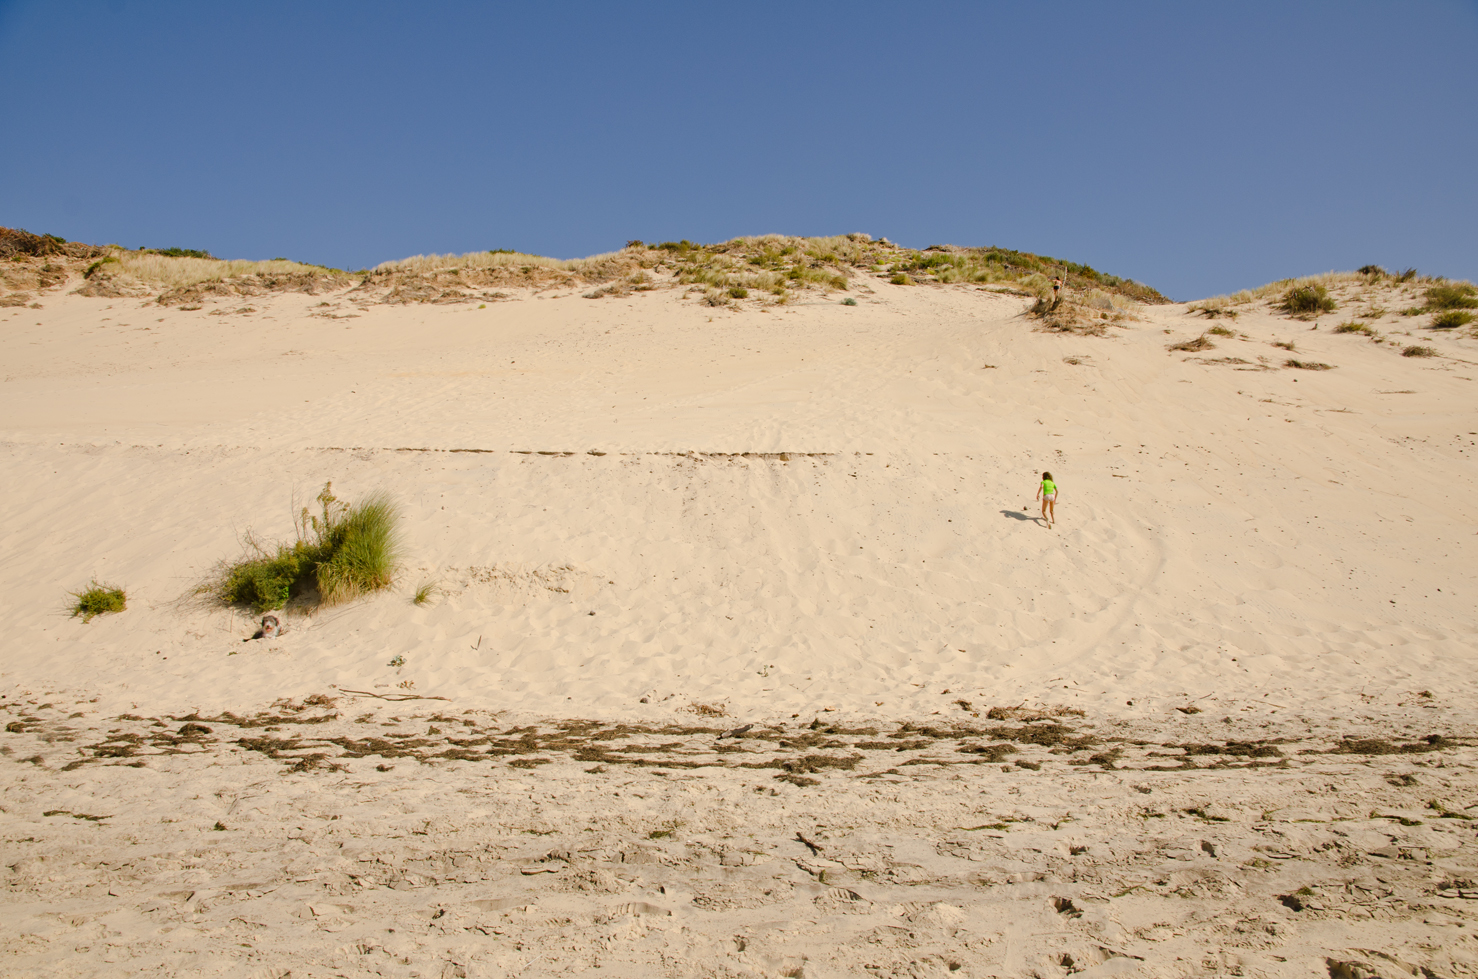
[
  {"x": 1310, "y": 300},
  {"x": 1308, "y": 365},
  {"x": 98, "y": 599},
  {"x": 1451, "y": 319},
  {"x": 738, "y": 292},
  {"x": 426, "y": 592},
  {"x": 849, "y": 301},
  {"x": 899, "y": 279},
  {"x": 1418, "y": 351},
  {"x": 1374, "y": 271},
  {"x": 1221, "y": 331},
  {"x": 1354, "y": 327},
  {"x": 347, "y": 552}
]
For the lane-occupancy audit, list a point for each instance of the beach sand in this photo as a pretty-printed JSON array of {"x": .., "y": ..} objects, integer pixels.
[{"x": 1210, "y": 723}]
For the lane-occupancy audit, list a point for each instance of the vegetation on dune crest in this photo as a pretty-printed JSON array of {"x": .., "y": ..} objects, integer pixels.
[
  {"x": 1452, "y": 295},
  {"x": 347, "y": 551},
  {"x": 1452, "y": 303},
  {"x": 1308, "y": 300},
  {"x": 763, "y": 268},
  {"x": 98, "y": 599}
]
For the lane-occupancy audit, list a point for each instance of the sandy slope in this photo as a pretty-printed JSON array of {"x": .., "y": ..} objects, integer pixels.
[{"x": 640, "y": 508}]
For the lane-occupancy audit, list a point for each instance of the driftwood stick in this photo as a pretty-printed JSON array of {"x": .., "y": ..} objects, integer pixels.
[{"x": 390, "y": 696}]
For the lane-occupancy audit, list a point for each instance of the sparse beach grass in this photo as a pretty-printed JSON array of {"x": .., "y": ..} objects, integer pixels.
[
  {"x": 1416, "y": 350},
  {"x": 1452, "y": 295},
  {"x": 166, "y": 271},
  {"x": 348, "y": 551},
  {"x": 1201, "y": 342},
  {"x": 98, "y": 599}
]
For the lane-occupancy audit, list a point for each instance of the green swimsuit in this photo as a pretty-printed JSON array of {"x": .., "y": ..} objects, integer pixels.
[{"x": 1049, "y": 488}]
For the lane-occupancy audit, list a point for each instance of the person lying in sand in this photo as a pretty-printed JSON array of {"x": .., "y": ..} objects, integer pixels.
[{"x": 1047, "y": 493}]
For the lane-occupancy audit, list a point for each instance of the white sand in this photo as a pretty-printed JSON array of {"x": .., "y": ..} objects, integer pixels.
[{"x": 597, "y": 489}]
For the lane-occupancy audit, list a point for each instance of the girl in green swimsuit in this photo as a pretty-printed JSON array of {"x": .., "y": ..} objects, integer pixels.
[{"x": 1048, "y": 494}]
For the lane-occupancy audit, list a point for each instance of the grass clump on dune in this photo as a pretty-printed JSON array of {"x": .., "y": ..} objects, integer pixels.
[
  {"x": 1354, "y": 327},
  {"x": 1308, "y": 300},
  {"x": 348, "y": 551},
  {"x": 1201, "y": 342},
  {"x": 1451, "y": 319},
  {"x": 1452, "y": 295},
  {"x": 98, "y": 599},
  {"x": 1419, "y": 351}
]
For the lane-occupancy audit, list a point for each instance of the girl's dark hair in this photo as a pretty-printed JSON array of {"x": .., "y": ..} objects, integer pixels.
[{"x": 1046, "y": 475}]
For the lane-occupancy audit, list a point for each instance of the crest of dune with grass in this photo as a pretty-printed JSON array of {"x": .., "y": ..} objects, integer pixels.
[{"x": 752, "y": 270}]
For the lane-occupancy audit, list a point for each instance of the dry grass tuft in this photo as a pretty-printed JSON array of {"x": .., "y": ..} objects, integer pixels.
[
  {"x": 1201, "y": 342},
  {"x": 1419, "y": 351},
  {"x": 1308, "y": 365}
]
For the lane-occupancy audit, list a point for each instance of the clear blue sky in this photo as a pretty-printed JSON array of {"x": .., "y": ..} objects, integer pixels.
[{"x": 1199, "y": 147}]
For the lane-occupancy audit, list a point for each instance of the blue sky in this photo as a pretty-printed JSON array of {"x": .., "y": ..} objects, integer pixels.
[{"x": 1199, "y": 147}]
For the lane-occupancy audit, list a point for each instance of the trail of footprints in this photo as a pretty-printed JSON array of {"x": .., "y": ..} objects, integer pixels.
[{"x": 325, "y": 838}]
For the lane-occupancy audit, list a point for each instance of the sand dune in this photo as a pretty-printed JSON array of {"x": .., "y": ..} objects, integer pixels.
[{"x": 648, "y": 511}]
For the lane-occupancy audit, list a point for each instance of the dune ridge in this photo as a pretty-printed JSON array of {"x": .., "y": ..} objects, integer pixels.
[{"x": 743, "y": 649}]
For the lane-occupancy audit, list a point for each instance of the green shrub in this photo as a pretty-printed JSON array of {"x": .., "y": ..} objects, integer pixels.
[
  {"x": 98, "y": 599},
  {"x": 1419, "y": 352},
  {"x": 347, "y": 552},
  {"x": 1353, "y": 327},
  {"x": 1452, "y": 295},
  {"x": 739, "y": 292},
  {"x": 184, "y": 253},
  {"x": 899, "y": 279},
  {"x": 849, "y": 301},
  {"x": 1374, "y": 271},
  {"x": 1308, "y": 300},
  {"x": 1451, "y": 319},
  {"x": 1221, "y": 331}
]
